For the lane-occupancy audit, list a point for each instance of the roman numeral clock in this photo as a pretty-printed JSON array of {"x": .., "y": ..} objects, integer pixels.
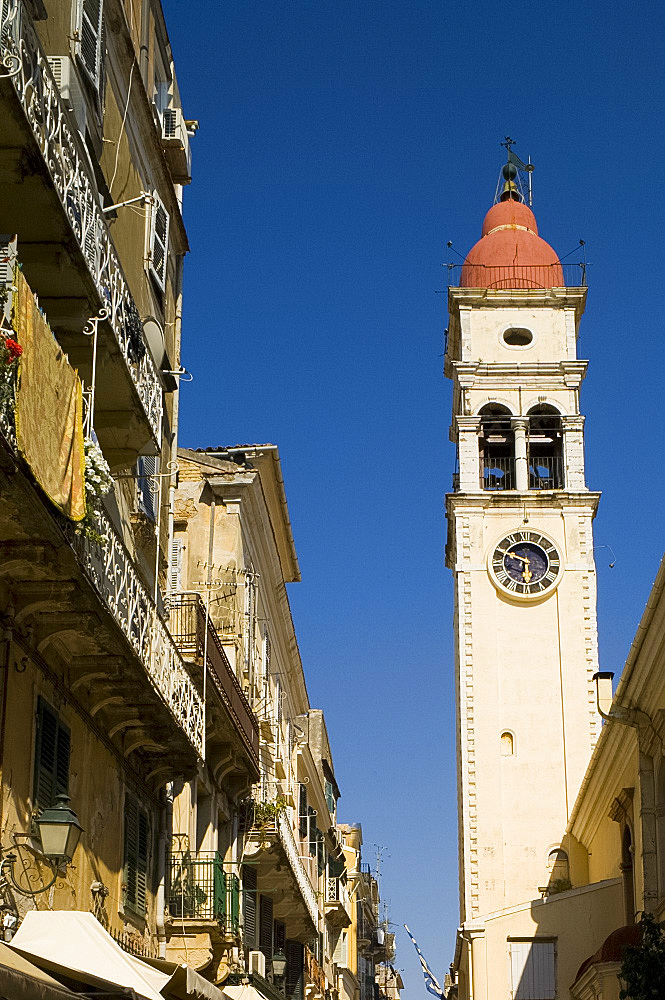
[{"x": 525, "y": 564}]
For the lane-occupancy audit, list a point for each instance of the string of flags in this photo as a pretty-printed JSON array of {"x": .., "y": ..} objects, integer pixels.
[{"x": 431, "y": 982}]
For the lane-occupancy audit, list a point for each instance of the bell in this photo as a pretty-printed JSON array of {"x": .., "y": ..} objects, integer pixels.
[{"x": 510, "y": 192}]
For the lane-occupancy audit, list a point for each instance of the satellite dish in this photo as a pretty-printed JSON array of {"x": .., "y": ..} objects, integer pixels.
[{"x": 154, "y": 337}]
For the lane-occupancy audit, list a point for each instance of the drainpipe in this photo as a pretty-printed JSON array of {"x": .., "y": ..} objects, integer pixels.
[
  {"x": 177, "y": 336},
  {"x": 639, "y": 720},
  {"x": 165, "y": 827}
]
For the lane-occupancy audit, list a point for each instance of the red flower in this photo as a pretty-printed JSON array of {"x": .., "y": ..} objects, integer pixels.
[{"x": 14, "y": 351}]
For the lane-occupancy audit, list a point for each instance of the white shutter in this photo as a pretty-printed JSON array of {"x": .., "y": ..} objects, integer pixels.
[
  {"x": 90, "y": 33},
  {"x": 532, "y": 970},
  {"x": 175, "y": 569},
  {"x": 158, "y": 246},
  {"x": 340, "y": 956}
]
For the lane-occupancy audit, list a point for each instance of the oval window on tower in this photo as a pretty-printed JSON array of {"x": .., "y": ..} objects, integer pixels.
[{"x": 517, "y": 336}]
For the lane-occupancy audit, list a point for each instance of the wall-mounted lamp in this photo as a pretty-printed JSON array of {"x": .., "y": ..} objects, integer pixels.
[
  {"x": 279, "y": 966},
  {"x": 59, "y": 831}
]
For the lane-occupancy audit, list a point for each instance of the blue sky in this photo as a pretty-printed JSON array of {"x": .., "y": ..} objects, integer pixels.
[{"x": 342, "y": 144}]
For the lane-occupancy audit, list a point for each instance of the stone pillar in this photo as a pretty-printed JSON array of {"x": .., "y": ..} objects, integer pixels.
[
  {"x": 520, "y": 426},
  {"x": 469, "y": 459},
  {"x": 573, "y": 451}
]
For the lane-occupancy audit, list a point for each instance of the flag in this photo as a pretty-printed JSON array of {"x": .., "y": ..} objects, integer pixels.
[{"x": 431, "y": 982}]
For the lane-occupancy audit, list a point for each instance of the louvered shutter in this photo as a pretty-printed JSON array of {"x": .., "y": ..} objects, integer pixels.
[
  {"x": 279, "y": 935},
  {"x": 294, "y": 970},
  {"x": 340, "y": 952},
  {"x": 265, "y": 927},
  {"x": 90, "y": 30},
  {"x": 302, "y": 811},
  {"x": 311, "y": 816},
  {"x": 52, "y": 752},
  {"x": 532, "y": 970},
  {"x": 136, "y": 856},
  {"x": 320, "y": 852},
  {"x": 249, "y": 906},
  {"x": 147, "y": 467},
  {"x": 175, "y": 569},
  {"x": 159, "y": 240}
]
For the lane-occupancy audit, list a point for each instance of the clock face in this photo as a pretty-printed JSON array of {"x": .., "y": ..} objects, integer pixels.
[{"x": 526, "y": 564}]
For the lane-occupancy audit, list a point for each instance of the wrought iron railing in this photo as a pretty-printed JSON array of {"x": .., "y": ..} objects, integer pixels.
[
  {"x": 22, "y": 59},
  {"x": 200, "y": 888},
  {"x": 110, "y": 569},
  {"x": 470, "y": 275},
  {"x": 546, "y": 472},
  {"x": 188, "y": 622},
  {"x": 304, "y": 884},
  {"x": 498, "y": 473}
]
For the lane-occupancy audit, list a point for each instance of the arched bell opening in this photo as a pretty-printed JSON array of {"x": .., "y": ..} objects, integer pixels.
[
  {"x": 496, "y": 447},
  {"x": 545, "y": 449}
]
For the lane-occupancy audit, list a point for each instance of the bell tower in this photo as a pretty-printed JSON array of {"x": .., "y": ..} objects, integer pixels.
[{"x": 520, "y": 546}]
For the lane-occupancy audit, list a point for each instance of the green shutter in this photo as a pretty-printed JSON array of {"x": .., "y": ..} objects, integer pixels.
[
  {"x": 249, "y": 905},
  {"x": 52, "y": 752},
  {"x": 265, "y": 927},
  {"x": 320, "y": 852},
  {"x": 136, "y": 856},
  {"x": 294, "y": 970},
  {"x": 311, "y": 815},
  {"x": 302, "y": 811}
]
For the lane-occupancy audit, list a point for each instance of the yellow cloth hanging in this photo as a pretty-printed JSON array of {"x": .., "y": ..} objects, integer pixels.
[{"x": 49, "y": 408}]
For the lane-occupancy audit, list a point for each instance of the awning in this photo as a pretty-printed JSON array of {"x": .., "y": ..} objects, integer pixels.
[
  {"x": 73, "y": 943},
  {"x": 21, "y": 980}
]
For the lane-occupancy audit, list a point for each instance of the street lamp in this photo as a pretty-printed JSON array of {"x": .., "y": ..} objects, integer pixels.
[
  {"x": 279, "y": 966},
  {"x": 59, "y": 830}
]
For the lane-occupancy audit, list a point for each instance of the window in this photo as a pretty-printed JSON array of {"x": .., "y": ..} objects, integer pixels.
[
  {"x": 532, "y": 970},
  {"x": 52, "y": 750},
  {"x": 517, "y": 336},
  {"x": 148, "y": 486},
  {"x": 90, "y": 34},
  {"x": 507, "y": 744},
  {"x": 330, "y": 797},
  {"x": 158, "y": 240},
  {"x": 136, "y": 856},
  {"x": 545, "y": 457},
  {"x": 175, "y": 569},
  {"x": 302, "y": 811}
]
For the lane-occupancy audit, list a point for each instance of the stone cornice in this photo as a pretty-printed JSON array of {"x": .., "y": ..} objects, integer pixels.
[
  {"x": 556, "y": 298},
  {"x": 504, "y": 374},
  {"x": 510, "y": 499}
]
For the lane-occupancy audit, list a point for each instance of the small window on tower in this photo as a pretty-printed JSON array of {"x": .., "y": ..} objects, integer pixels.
[
  {"x": 517, "y": 336},
  {"x": 507, "y": 745}
]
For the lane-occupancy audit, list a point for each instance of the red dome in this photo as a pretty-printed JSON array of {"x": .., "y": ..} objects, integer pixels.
[{"x": 510, "y": 253}]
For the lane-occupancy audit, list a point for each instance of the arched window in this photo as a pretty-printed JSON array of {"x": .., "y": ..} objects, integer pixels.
[
  {"x": 507, "y": 744},
  {"x": 497, "y": 448},
  {"x": 545, "y": 449},
  {"x": 558, "y": 869},
  {"x": 627, "y": 874}
]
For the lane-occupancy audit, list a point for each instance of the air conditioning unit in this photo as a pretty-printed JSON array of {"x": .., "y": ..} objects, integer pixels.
[
  {"x": 257, "y": 963},
  {"x": 71, "y": 92},
  {"x": 175, "y": 140}
]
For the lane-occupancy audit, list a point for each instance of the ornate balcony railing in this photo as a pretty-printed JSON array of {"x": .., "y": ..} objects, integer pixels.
[
  {"x": 188, "y": 623},
  {"x": 289, "y": 844},
  {"x": 22, "y": 59},
  {"x": 110, "y": 569},
  {"x": 201, "y": 889}
]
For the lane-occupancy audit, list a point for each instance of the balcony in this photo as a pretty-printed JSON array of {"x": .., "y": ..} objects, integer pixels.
[
  {"x": 201, "y": 890},
  {"x": 87, "y": 596},
  {"x": 51, "y": 200},
  {"x": 195, "y": 636},
  {"x": 337, "y": 903},
  {"x": 281, "y": 873}
]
